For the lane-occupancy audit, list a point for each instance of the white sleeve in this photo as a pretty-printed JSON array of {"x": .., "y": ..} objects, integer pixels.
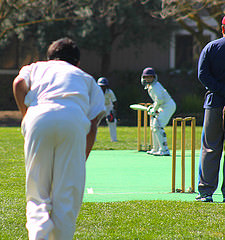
[
  {"x": 97, "y": 101},
  {"x": 157, "y": 95},
  {"x": 113, "y": 97},
  {"x": 25, "y": 74},
  {"x": 157, "y": 104}
]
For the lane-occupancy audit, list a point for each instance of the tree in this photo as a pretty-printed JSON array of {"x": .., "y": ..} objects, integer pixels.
[
  {"x": 98, "y": 25},
  {"x": 198, "y": 11},
  {"x": 12, "y": 14},
  {"x": 16, "y": 15},
  {"x": 126, "y": 21},
  {"x": 95, "y": 24}
]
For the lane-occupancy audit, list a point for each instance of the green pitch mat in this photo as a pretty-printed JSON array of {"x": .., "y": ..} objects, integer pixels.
[{"x": 115, "y": 175}]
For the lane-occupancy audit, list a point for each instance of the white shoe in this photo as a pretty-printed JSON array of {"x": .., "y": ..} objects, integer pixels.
[
  {"x": 162, "y": 153},
  {"x": 151, "y": 152}
]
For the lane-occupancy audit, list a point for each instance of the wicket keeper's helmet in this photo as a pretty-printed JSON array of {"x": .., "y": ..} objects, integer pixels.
[{"x": 102, "y": 81}]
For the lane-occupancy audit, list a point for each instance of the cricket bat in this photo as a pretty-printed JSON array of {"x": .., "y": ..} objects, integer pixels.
[{"x": 138, "y": 107}]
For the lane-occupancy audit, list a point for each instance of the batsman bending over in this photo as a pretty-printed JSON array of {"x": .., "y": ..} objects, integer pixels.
[{"x": 161, "y": 111}]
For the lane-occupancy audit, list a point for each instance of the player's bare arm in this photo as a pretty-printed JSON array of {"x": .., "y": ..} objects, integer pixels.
[
  {"x": 20, "y": 91},
  {"x": 92, "y": 133}
]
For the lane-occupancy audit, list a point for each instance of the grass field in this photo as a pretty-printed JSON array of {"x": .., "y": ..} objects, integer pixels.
[{"x": 116, "y": 220}]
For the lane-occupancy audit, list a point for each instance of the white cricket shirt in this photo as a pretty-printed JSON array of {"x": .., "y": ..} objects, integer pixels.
[{"x": 58, "y": 83}]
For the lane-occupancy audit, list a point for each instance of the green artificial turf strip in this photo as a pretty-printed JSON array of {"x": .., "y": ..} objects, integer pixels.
[
  {"x": 112, "y": 220},
  {"x": 116, "y": 175}
]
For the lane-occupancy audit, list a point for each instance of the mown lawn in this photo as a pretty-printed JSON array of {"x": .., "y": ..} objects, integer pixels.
[{"x": 115, "y": 220}]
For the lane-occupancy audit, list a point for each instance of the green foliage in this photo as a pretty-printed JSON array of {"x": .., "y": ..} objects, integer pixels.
[
  {"x": 128, "y": 90},
  {"x": 192, "y": 103},
  {"x": 108, "y": 21},
  {"x": 187, "y": 91},
  {"x": 7, "y": 101},
  {"x": 15, "y": 15},
  {"x": 123, "y": 22},
  {"x": 97, "y": 26},
  {"x": 183, "y": 11}
]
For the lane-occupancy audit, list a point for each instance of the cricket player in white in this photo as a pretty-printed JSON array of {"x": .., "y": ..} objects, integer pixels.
[
  {"x": 62, "y": 106},
  {"x": 161, "y": 111},
  {"x": 111, "y": 107}
]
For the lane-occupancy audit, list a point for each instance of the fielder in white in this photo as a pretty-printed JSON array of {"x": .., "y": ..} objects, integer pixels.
[
  {"x": 111, "y": 107},
  {"x": 61, "y": 107},
  {"x": 161, "y": 111}
]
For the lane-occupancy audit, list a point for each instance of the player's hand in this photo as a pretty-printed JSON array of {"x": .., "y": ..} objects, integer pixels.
[
  {"x": 152, "y": 112},
  {"x": 146, "y": 86},
  {"x": 149, "y": 108}
]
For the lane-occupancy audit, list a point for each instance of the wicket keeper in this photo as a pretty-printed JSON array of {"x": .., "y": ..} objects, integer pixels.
[{"x": 111, "y": 107}]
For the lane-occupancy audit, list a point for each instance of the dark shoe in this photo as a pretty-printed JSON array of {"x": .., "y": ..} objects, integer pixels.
[
  {"x": 204, "y": 198},
  {"x": 207, "y": 199},
  {"x": 198, "y": 198}
]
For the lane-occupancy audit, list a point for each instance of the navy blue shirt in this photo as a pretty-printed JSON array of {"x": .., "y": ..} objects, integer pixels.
[{"x": 211, "y": 72}]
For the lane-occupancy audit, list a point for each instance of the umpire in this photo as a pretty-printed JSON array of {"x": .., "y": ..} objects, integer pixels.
[{"x": 211, "y": 73}]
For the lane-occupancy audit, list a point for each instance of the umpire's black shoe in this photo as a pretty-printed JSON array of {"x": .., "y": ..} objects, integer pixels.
[{"x": 204, "y": 198}]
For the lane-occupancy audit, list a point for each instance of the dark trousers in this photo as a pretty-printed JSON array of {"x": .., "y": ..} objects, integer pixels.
[{"x": 211, "y": 152}]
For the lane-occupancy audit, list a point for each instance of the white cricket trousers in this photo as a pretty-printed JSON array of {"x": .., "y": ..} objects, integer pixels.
[
  {"x": 158, "y": 124},
  {"x": 112, "y": 130},
  {"x": 112, "y": 125},
  {"x": 54, "y": 148}
]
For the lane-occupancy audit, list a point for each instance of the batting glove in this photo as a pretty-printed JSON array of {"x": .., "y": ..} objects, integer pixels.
[
  {"x": 152, "y": 112},
  {"x": 149, "y": 108}
]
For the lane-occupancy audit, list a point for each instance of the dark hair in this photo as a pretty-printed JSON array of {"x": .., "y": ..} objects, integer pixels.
[{"x": 64, "y": 49}]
